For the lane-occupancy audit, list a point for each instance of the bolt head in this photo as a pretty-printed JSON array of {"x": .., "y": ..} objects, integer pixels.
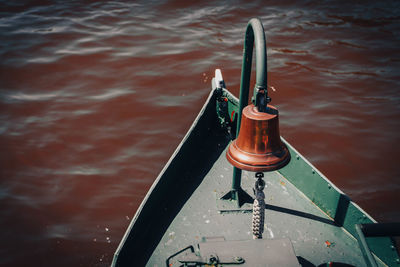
[
  {"x": 239, "y": 259},
  {"x": 213, "y": 259}
]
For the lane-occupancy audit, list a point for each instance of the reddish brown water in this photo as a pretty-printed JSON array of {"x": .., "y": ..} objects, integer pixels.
[{"x": 96, "y": 96}]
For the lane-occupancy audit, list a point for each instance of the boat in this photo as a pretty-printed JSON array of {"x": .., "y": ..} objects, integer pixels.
[{"x": 207, "y": 208}]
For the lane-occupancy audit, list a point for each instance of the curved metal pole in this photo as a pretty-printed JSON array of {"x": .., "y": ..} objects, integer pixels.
[{"x": 255, "y": 36}]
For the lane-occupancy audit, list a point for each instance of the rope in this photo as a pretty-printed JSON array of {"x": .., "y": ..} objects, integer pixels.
[{"x": 258, "y": 208}]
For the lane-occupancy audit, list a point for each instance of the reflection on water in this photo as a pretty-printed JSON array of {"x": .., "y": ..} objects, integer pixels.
[{"x": 96, "y": 96}]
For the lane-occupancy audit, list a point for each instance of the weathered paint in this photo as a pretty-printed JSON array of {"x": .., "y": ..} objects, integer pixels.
[{"x": 184, "y": 174}]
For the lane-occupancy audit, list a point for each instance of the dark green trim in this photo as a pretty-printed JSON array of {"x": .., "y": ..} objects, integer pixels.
[{"x": 334, "y": 202}]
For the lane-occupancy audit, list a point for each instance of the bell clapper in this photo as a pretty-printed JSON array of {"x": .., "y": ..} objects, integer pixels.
[{"x": 258, "y": 207}]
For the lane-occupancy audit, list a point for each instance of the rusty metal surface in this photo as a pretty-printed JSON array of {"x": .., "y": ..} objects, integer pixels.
[{"x": 258, "y": 146}]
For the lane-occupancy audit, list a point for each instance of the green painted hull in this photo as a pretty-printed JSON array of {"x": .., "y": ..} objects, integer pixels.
[{"x": 182, "y": 205}]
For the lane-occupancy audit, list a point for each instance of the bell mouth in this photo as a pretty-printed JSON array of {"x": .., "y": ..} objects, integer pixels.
[{"x": 263, "y": 162}]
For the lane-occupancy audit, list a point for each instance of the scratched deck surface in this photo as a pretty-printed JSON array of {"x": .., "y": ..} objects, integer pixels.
[{"x": 289, "y": 214}]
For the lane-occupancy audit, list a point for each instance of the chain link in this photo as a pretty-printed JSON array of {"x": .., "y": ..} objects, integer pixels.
[{"x": 258, "y": 207}]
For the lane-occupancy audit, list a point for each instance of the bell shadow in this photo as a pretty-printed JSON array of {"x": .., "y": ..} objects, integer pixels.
[{"x": 300, "y": 214}]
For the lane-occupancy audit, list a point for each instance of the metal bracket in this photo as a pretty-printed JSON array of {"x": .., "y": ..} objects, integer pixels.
[
  {"x": 210, "y": 260},
  {"x": 260, "y": 252},
  {"x": 235, "y": 201},
  {"x": 218, "y": 85},
  {"x": 177, "y": 253},
  {"x": 374, "y": 230}
]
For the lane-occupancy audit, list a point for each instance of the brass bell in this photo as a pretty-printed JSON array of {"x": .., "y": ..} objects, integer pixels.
[{"x": 258, "y": 147}]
